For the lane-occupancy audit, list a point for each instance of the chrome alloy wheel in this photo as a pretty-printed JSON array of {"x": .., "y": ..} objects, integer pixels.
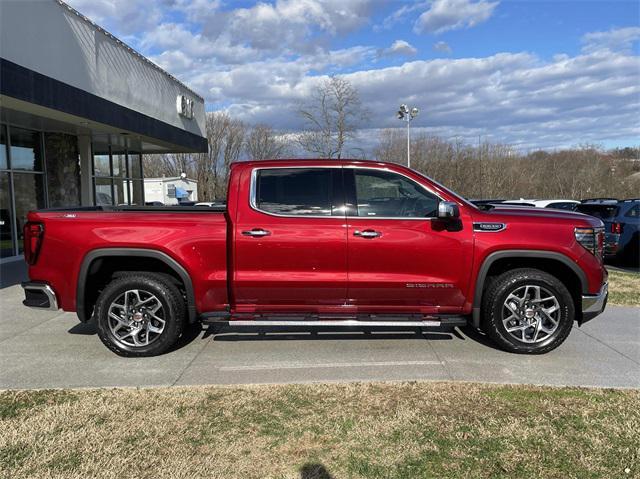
[
  {"x": 531, "y": 313},
  {"x": 136, "y": 318}
]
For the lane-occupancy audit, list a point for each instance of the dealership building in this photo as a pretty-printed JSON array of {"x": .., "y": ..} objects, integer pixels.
[{"x": 78, "y": 108}]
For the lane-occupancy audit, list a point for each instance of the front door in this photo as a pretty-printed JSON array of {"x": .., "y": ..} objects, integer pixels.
[
  {"x": 401, "y": 257},
  {"x": 290, "y": 241}
]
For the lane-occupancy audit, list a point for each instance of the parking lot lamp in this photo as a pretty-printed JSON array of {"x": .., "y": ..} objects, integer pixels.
[{"x": 407, "y": 115}]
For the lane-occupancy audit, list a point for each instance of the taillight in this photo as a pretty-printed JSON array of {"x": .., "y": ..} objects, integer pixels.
[
  {"x": 33, "y": 234},
  {"x": 592, "y": 239},
  {"x": 616, "y": 228}
]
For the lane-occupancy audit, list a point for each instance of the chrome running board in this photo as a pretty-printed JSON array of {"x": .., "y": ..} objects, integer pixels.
[
  {"x": 407, "y": 321},
  {"x": 334, "y": 322}
]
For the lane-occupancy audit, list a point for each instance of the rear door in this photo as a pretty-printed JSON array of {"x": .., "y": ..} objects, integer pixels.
[
  {"x": 290, "y": 240},
  {"x": 400, "y": 256}
]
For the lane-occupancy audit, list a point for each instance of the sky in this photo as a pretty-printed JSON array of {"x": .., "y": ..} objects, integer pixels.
[{"x": 532, "y": 74}]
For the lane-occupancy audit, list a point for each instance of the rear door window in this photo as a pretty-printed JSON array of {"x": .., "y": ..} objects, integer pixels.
[{"x": 294, "y": 191}]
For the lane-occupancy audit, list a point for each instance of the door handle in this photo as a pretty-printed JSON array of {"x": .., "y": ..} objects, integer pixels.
[
  {"x": 256, "y": 232},
  {"x": 367, "y": 233}
]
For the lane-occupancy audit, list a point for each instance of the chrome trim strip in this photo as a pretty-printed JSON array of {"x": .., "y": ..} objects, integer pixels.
[
  {"x": 336, "y": 322},
  {"x": 253, "y": 187},
  {"x": 46, "y": 289},
  {"x": 594, "y": 303}
]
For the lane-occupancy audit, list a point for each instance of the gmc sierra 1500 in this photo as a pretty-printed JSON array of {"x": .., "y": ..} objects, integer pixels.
[{"x": 319, "y": 242}]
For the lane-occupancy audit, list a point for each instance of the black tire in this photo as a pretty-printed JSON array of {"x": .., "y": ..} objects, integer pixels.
[
  {"x": 172, "y": 307},
  {"x": 494, "y": 307}
]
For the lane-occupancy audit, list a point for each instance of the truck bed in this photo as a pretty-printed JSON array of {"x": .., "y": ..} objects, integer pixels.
[{"x": 194, "y": 237}]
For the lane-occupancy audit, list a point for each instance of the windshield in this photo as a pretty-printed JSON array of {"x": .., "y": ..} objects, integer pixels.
[{"x": 604, "y": 212}]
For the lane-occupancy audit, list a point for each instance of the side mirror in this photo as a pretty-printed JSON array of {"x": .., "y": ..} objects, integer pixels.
[{"x": 448, "y": 210}]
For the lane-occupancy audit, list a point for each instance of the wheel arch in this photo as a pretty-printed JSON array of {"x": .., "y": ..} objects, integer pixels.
[
  {"x": 84, "y": 306},
  {"x": 548, "y": 261}
]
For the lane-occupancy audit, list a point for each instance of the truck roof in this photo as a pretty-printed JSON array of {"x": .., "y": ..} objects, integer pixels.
[{"x": 312, "y": 162}]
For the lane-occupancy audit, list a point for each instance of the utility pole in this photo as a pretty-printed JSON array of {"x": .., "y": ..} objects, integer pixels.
[{"x": 408, "y": 115}]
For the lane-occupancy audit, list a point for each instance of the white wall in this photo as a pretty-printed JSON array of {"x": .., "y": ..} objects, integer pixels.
[{"x": 47, "y": 37}]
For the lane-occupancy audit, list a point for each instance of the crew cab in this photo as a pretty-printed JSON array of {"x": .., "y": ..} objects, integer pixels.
[{"x": 319, "y": 242}]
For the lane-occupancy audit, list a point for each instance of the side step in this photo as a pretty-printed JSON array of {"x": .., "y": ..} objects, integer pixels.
[{"x": 412, "y": 321}]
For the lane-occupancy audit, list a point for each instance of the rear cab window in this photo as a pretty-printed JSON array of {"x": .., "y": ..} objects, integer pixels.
[
  {"x": 604, "y": 212},
  {"x": 634, "y": 212},
  {"x": 562, "y": 205}
]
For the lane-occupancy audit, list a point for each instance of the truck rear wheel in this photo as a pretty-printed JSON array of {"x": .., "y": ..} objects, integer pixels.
[
  {"x": 527, "y": 311},
  {"x": 141, "y": 314}
]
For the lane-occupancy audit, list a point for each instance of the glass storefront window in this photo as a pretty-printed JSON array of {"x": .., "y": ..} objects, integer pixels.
[
  {"x": 28, "y": 191},
  {"x": 103, "y": 193},
  {"x": 6, "y": 231},
  {"x": 101, "y": 164},
  {"x": 119, "y": 164},
  {"x": 136, "y": 189},
  {"x": 26, "y": 150},
  {"x": 135, "y": 165},
  {"x": 3, "y": 148},
  {"x": 119, "y": 181},
  {"x": 121, "y": 191}
]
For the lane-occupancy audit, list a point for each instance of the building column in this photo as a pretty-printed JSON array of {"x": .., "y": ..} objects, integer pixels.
[{"x": 86, "y": 169}]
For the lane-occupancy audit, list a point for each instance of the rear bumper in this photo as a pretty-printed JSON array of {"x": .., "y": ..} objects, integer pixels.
[
  {"x": 594, "y": 304},
  {"x": 39, "y": 296}
]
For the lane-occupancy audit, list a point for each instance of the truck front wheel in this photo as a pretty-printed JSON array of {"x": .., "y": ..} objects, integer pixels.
[
  {"x": 140, "y": 315},
  {"x": 527, "y": 311}
]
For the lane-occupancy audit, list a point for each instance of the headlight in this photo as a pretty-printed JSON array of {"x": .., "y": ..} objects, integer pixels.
[{"x": 592, "y": 239}]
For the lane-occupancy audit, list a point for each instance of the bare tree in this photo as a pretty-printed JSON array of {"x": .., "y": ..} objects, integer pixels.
[
  {"x": 225, "y": 138},
  {"x": 263, "y": 143},
  {"x": 493, "y": 170},
  {"x": 331, "y": 118},
  {"x": 168, "y": 164}
]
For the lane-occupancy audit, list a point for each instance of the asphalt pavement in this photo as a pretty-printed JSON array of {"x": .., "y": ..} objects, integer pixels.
[{"x": 46, "y": 349}]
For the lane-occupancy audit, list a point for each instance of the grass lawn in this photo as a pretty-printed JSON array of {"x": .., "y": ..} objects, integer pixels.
[
  {"x": 379, "y": 430},
  {"x": 624, "y": 288}
]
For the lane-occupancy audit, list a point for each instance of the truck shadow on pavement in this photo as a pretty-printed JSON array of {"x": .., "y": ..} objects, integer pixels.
[
  {"x": 282, "y": 333},
  {"x": 190, "y": 334},
  {"x": 223, "y": 332}
]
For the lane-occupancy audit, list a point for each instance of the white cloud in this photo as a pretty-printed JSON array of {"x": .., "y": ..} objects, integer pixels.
[
  {"x": 442, "y": 47},
  {"x": 398, "y": 48},
  {"x": 444, "y": 15},
  {"x": 128, "y": 17},
  {"x": 287, "y": 24},
  {"x": 512, "y": 97},
  {"x": 620, "y": 39}
]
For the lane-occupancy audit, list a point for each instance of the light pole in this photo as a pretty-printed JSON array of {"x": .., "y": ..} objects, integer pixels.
[{"x": 407, "y": 115}]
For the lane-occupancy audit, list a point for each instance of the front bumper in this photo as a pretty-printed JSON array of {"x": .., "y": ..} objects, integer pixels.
[
  {"x": 594, "y": 304},
  {"x": 39, "y": 296}
]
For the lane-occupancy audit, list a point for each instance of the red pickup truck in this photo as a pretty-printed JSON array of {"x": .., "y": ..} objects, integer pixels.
[{"x": 319, "y": 242}]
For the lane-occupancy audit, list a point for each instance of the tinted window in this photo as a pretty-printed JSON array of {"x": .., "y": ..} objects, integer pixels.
[
  {"x": 3, "y": 149},
  {"x": 634, "y": 212},
  {"x": 385, "y": 194},
  {"x": 562, "y": 205},
  {"x": 25, "y": 150},
  {"x": 604, "y": 212},
  {"x": 294, "y": 191}
]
